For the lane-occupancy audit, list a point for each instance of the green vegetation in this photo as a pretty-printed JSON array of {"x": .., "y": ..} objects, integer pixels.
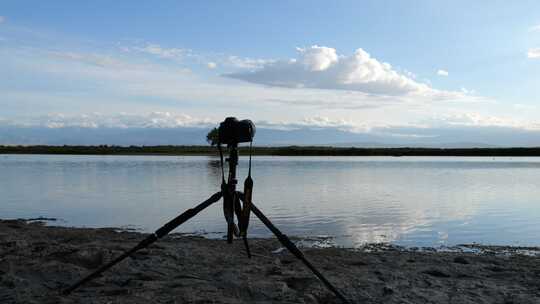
[
  {"x": 213, "y": 137},
  {"x": 283, "y": 151}
]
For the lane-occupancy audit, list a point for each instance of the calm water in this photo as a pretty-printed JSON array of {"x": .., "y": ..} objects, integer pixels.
[{"x": 411, "y": 201}]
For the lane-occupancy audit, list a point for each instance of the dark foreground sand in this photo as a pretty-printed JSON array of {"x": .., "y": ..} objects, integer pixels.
[{"x": 36, "y": 262}]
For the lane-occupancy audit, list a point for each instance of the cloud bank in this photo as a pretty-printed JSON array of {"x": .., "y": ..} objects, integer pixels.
[
  {"x": 166, "y": 128},
  {"x": 169, "y": 120},
  {"x": 321, "y": 67},
  {"x": 160, "y": 120}
]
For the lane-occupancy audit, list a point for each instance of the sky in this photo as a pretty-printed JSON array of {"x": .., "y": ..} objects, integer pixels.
[{"x": 390, "y": 71}]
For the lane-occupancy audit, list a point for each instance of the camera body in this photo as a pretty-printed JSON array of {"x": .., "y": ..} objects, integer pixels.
[{"x": 234, "y": 131}]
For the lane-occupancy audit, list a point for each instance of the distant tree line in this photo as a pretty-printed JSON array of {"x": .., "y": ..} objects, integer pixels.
[{"x": 283, "y": 151}]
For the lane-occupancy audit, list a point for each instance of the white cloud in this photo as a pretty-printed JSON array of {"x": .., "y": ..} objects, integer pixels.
[
  {"x": 167, "y": 120},
  {"x": 534, "y": 53},
  {"x": 189, "y": 56},
  {"x": 159, "y": 51},
  {"x": 410, "y": 74},
  {"x": 525, "y": 107},
  {"x": 442, "y": 73},
  {"x": 246, "y": 63},
  {"x": 2, "y": 19},
  {"x": 535, "y": 28},
  {"x": 92, "y": 59},
  {"x": 467, "y": 91},
  {"x": 122, "y": 120},
  {"x": 121, "y": 79},
  {"x": 318, "y": 58},
  {"x": 322, "y": 68},
  {"x": 481, "y": 120},
  {"x": 316, "y": 122}
]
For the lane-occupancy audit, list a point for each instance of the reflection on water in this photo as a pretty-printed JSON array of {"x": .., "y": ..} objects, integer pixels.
[
  {"x": 214, "y": 167},
  {"x": 412, "y": 201}
]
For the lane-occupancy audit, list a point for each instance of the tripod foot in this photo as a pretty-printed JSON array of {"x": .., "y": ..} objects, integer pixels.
[{"x": 247, "y": 246}]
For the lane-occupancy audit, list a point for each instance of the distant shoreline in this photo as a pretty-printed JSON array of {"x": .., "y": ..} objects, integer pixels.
[{"x": 271, "y": 151}]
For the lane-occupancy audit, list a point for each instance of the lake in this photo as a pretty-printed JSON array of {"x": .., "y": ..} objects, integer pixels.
[{"x": 343, "y": 201}]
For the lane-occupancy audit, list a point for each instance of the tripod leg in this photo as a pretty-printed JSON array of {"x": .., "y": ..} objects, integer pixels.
[
  {"x": 228, "y": 211},
  {"x": 164, "y": 230},
  {"x": 247, "y": 246},
  {"x": 294, "y": 250}
]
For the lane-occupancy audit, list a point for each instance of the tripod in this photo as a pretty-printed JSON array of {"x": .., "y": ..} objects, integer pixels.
[{"x": 231, "y": 207}]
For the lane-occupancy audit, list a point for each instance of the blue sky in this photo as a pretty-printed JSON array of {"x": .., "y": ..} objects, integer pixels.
[{"x": 403, "y": 68}]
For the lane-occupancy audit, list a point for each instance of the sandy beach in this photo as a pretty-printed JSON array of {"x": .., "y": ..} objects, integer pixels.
[{"x": 38, "y": 261}]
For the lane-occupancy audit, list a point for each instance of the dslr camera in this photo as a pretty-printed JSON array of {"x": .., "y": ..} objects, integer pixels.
[{"x": 234, "y": 131}]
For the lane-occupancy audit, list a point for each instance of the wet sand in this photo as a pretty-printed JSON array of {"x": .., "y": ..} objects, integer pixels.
[{"x": 37, "y": 262}]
